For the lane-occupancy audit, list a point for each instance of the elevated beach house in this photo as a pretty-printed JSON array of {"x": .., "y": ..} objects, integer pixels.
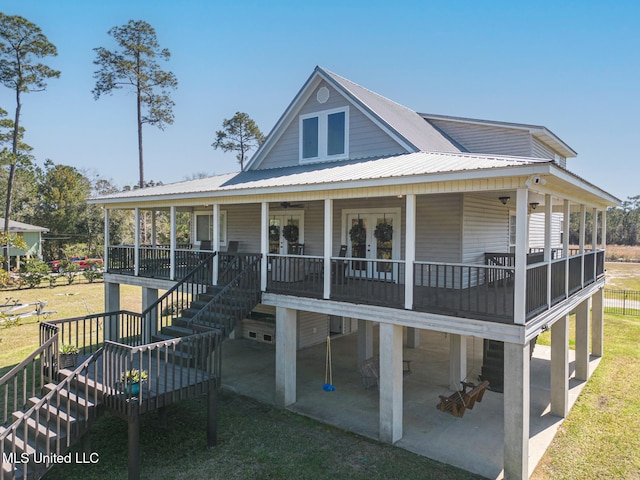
[{"x": 358, "y": 216}]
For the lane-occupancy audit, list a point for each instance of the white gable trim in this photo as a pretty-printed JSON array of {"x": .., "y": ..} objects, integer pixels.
[{"x": 291, "y": 113}]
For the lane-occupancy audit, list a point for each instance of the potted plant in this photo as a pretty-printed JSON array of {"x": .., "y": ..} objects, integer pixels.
[
  {"x": 131, "y": 380},
  {"x": 68, "y": 356}
]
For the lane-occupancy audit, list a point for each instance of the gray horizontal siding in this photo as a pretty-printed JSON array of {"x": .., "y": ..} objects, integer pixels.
[
  {"x": 313, "y": 328},
  {"x": 438, "y": 229},
  {"x": 365, "y": 138},
  {"x": 487, "y": 139},
  {"x": 540, "y": 150},
  {"x": 485, "y": 227},
  {"x": 241, "y": 226}
]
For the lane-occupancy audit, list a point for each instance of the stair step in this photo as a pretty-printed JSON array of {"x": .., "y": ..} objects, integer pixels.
[
  {"x": 176, "y": 331},
  {"x": 161, "y": 337},
  {"x": 183, "y": 322},
  {"x": 45, "y": 430},
  {"x": 73, "y": 397},
  {"x": 18, "y": 441},
  {"x": 54, "y": 411},
  {"x": 83, "y": 380}
]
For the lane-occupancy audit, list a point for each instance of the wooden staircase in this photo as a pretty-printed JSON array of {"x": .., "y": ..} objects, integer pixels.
[
  {"x": 52, "y": 409},
  {"x": 43, "y": 432},
  {"x": 220, "y": 307}
]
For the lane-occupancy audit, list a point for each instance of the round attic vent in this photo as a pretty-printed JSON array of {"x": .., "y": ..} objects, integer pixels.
[{"x": 323, "y": 95}]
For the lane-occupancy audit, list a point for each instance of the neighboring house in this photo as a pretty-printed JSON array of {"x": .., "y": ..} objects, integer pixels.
[
  {"x": 32, "y": 236},
  {"x": 404, "y": 220}
]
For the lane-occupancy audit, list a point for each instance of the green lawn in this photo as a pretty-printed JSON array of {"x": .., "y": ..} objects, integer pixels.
[{"x": 599, "y": 439}]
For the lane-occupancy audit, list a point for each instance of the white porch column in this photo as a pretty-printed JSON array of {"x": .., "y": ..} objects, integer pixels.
[
  {"x": 111, "y": 304},
  {"x": 597, "y": 323},
  {"x": 328, "y": 246},
  {"x": 286, "y": 325},
  {"x": 215, "y": 242},
  {"x": 457, "y": 360},
  {"x": 583, "y": 230},
  {"x": 604, "y": 230},
  {"x": 153, "y": 228},
  {"x": 560, "y": 367},
  {"x": 107, "y": 225},
  {"x": 516, "y": 411},
  {"x": 136, "y": 243},
  {"x": 172, "y": 242},
  {"x": 390, "y": 383},
  {"x": 566, "y": 221},
  {"x": 548, "y": 253},
  {"x": 582, "y": 341},
  {"x": 594, "y": 241},
  {"x": 520, "y": 284},
  {"x": 264, "y": 244},
  {"x": 409, "y": 250},
  {"x": 365, "y": 340},
  {"x": 149, "y": 297}
]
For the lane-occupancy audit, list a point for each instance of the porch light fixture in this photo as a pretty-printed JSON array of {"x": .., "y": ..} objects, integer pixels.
[
  {"x": 399, "y": 197},
  {"x": 504, "y": 200},
  {"x": 534, "y": 205}
]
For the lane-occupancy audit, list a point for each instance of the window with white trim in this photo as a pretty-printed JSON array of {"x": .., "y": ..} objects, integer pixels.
[
  {"x": 324, "y": 135},
  {"x": 204, "y": 227}
]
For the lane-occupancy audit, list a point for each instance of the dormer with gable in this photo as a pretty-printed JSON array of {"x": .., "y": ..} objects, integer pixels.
[
  {"x": 502, "y": 138},
  {"x": 334, "y": 119}
]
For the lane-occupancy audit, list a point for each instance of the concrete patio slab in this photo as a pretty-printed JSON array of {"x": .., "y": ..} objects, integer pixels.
[{"x": 474, "y": 442}]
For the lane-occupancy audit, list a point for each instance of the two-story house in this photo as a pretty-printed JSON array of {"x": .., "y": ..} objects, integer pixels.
[{"x": 356, "y": 207}]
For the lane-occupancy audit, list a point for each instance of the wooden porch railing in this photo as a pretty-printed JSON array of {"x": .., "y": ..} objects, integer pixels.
[
  {"x": 155, "y": 262},
  {"x": 301, "y": 275},
  {"x": 27, "y": 378},
  {"x": 177, "y": 368},
  {"x": 475, "y": 291},
  {"x": 369, "y": 281}
]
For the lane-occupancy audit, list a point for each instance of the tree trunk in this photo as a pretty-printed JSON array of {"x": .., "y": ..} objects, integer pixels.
[{"x": 12, "y": 172}]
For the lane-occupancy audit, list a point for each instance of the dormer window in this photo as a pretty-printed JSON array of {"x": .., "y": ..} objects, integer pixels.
[{"x": 324, "y": 135}]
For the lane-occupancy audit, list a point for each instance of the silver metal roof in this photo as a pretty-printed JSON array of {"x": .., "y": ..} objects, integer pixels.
[{"x": 407, "y": 165}]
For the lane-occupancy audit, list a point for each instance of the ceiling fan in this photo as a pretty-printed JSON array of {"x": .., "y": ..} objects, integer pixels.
[{"x": 291, "y": 205}]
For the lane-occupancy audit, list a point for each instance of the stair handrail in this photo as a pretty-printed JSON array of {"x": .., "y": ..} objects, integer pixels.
[
  {"x": 49, "y": 349},
  {"x": 119, "y": 358},
  {"x": 248, "y": 268},
  {"x": 186, "y": 279},
  {"x": 35, "y": 414}
]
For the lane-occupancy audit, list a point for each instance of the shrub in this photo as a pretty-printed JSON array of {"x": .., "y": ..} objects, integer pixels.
[
  {"x": 92, "y": 275},
  {"x": 70, "y": 270},
  {"x": 33, "y": 272}
]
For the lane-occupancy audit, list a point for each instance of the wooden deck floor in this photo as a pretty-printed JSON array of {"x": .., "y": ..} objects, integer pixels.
[{"x": 167, "y": 383}]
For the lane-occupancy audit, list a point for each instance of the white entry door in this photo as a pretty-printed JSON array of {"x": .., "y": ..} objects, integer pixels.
[
  {"x": 362, "y": 243},
  {"x": 278, "y": 244}
]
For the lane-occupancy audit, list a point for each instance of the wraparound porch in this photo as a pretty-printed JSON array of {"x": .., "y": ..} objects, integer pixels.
[{"x": 483, "y": 292}]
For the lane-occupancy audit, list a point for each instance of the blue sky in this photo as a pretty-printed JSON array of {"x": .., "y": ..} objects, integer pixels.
[{"x": 572, "y": 66}]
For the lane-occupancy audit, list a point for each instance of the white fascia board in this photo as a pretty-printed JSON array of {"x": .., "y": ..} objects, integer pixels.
[
  {"x": 569, "y": 177},
  {"x": 410, "y": 318}
]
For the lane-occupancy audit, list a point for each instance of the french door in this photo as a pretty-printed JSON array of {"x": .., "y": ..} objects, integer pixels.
[
  {"x": 278, "y": 244},
  {"x": 360, "y": 228}
]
